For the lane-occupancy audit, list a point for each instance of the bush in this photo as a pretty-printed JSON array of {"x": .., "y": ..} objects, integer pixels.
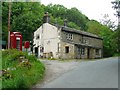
[
  {"x": 117, "y": 54},
  {"x": 20, "y": 73}
]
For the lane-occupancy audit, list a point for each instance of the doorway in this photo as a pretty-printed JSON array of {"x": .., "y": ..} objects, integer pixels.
[
  {"x": 88, "y": 53},
  {"x": 36, "y": 51}
]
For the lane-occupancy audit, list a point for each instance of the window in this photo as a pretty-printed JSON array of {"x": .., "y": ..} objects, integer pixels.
[
  {"x": 37, "y": 37},
  {"x": 67, "y": 49},
  {"x": 18, "y": 44},
  {"x": 81, "y": 50},
  {"x": 83, "y": 40},
  {"x": 69, "y": 36},
  {"x": 97, "y": 51},
  {"x": 41, "y": 49}
]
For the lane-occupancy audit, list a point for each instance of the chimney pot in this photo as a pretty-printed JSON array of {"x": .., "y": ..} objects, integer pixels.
[
  {"x": 46, "y": 18},
  {"x": 65, "y": 22}
]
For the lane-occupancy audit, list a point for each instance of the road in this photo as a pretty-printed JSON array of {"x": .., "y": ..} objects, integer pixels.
[{"x": 91, "y": 74}]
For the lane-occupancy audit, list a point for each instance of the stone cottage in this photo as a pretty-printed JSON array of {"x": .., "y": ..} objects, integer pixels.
[{"x": 65, "y": 43}]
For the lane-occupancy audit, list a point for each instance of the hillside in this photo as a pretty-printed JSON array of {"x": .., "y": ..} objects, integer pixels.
[{"x": 26, "y": 17}]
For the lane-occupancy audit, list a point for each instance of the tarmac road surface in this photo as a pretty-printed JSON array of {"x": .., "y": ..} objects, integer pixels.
[{"x": 91, "y": 74}]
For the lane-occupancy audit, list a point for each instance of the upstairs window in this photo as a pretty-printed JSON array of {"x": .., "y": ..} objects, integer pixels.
[
  {"x": 83, "y": 40},
  {"x": 69, "y": 36}
]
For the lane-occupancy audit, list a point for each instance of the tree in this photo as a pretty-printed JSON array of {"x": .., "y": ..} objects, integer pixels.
[
  {"x": 108, "y": 22},
  {"x": 73, "y": 25},
  {"x": 105, "y": 33},
  {"x": 116, "y": 6},
  {"x": 108, "y": 45},
  {"x": 26, "y": 17},
  {"x": 74, "y": 15},
  {"x": 75, "y": 18},
  {"x": 93, "y": 27},
  {"x": 56, "y": 10}
]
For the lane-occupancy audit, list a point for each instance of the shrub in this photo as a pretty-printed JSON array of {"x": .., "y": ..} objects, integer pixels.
[
  {"x": 117, "y": 54},
  {"x": 31, "y": 58},
  {"x": 23, "y": 73}
]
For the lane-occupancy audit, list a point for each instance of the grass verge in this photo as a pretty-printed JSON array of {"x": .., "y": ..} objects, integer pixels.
[{"x": 20, "y": 70}]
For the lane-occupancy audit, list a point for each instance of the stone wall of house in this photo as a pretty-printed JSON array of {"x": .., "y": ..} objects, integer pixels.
[
  {"x": 95, "y": 42},
  {"x": 92, "y": 53},
  {"x": 78, "y": 54},
  {"x": 55, "y": 43},
  {"x": 63, "y": 54},
  {"x": 85, "y": 55},
  {"x": 86, "y": 42},
  {"x": 83, "y": 40},
  {"x": 100, "y": 54}
]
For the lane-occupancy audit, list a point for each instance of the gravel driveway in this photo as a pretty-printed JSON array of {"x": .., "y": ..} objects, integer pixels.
[{"x": 55, "y": 68}]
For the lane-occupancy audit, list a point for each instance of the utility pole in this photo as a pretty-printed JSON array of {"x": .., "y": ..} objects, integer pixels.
[
  {"x": 118, "y": 12},
  {"x": 9, "y": 15}
]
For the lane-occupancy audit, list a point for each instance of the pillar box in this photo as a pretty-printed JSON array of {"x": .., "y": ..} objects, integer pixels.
[
  {"x": 16, "y": 40},
  {"x": 26, "y": 44}
]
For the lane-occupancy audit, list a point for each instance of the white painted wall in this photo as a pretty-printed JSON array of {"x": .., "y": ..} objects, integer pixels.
[
  {"x": 49, "y": 38},
  {"x": 37, "y": 42}
]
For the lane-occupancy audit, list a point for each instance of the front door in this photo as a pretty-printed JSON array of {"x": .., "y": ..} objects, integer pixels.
[
  {"x": 78, "y": 56},
  {"x": 88, "y": 53},
  {"x": 36, "y": 51}
]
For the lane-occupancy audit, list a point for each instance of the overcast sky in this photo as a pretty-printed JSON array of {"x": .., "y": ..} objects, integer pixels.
[{"x": 93, "y": 9}]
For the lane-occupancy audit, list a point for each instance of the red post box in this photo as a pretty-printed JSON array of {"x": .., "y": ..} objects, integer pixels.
[
  {"x": 26, "y": 44},
  {"x": 16, "y": 40}
]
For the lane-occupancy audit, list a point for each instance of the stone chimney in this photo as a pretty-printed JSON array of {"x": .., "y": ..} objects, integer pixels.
[{"x": 46, "y": 18}]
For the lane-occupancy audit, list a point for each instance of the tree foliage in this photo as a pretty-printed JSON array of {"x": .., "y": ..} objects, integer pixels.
[
  {"x": 73, "y": 15},
  {"x": 26, "y": 17},
  {"x": 116, "y": 6},
  {"x": 108, "y": 22},
  {"x": 77, "y": 17},
  {"x": 107, "y": 35},
  {"x": 93, "y": 27}
]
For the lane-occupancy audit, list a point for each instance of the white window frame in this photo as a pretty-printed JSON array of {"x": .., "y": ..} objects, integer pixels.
[{"x": 69, "y": 36}]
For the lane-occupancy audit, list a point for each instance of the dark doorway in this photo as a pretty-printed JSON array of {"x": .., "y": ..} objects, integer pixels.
[
  {"x": 88, "y": 53},
  {"x": 36, "y": 51},
  {"x": 67, "y": 49}
]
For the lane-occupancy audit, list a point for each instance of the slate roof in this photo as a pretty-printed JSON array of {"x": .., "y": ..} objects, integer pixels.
[
  {"x": 72, "y": 30},
  {"x": 67, "y": 29}
]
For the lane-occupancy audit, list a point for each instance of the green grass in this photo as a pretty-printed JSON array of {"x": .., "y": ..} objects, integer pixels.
[{"x": 20, "y": 74}]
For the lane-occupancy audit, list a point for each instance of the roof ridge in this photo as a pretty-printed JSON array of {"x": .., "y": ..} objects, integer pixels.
[{"x": 76, "y": 30}]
